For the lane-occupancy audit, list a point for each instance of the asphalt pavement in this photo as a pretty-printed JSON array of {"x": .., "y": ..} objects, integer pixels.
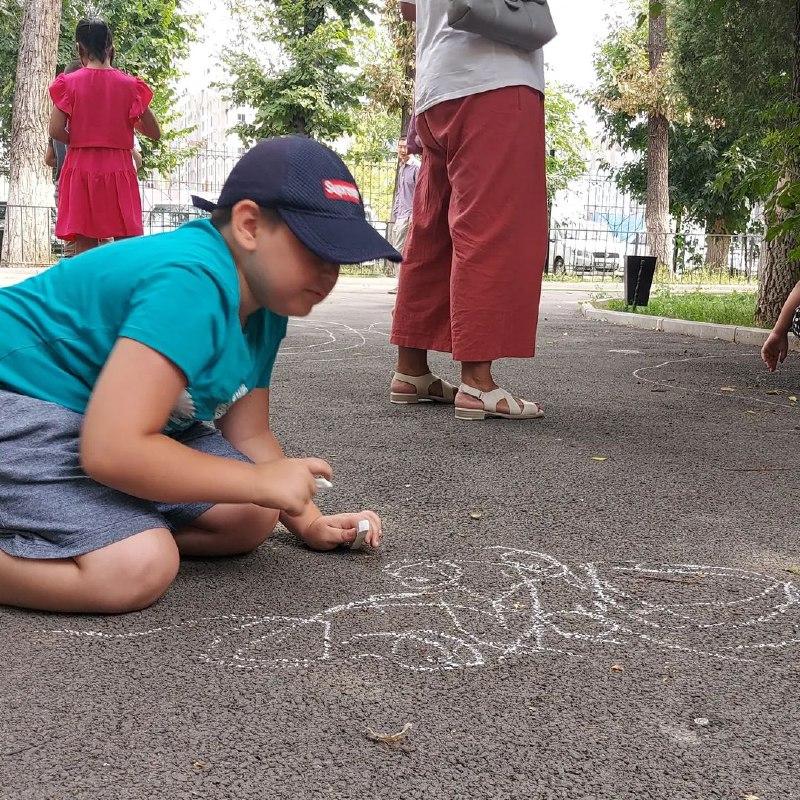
[{"x": 602, "y": 604}]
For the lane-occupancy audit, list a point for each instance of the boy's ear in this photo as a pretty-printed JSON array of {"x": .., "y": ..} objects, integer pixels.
[{"x": 245, "y": 219}]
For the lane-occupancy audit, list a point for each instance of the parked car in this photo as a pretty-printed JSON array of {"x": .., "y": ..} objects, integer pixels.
[
  {"x": 164, "y": 217},
  {"x": 586, "y": 247}
]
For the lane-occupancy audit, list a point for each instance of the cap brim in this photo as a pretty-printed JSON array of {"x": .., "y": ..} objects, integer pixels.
[
  {"x": 203, "y": 204},
  {"x": 340, "y": 240}
]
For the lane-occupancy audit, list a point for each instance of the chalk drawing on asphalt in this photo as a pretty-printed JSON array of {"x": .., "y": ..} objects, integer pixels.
[
  {"x": 658, "y": 375},
  {"x": 512, "y": 603}
]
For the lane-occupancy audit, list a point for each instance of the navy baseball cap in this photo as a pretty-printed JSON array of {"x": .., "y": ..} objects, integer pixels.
[{"x": 312, "y": 190}]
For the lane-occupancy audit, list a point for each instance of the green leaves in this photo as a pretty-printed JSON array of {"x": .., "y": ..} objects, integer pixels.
[
  {"x": 314, "y": 86},
  {"x": 567, "y": 140},
  {"x": 151, "y": 36}
]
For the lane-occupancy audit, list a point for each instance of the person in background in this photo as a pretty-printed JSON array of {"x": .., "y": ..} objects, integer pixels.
[
  {"x": 471, "y": 279},
  {"x": 400, "y": 220},
  {"x": 96, "y": 110},
  {"x": 56, "y": 154},
  {"x": 776, "y": 348}
]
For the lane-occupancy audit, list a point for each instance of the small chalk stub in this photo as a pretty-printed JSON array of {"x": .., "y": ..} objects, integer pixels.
[
  {"x": 361, "y": 534},
  {"x": 323, "y": 483}
]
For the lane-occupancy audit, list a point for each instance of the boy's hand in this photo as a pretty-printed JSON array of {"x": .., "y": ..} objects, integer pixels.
[
  {"x": 775, "y": 349},
  {"x": 288, "y": 483},
  {"x": 327, "y": 533}
]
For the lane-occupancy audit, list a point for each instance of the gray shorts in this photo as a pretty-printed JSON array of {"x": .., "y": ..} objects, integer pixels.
[{"x": 49, "y": 508}]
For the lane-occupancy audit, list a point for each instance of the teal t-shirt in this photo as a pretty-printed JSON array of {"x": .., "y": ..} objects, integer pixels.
[{"x": 175, "y": 292}]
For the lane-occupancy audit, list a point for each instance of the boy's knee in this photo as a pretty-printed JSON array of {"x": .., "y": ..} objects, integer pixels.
[{"x": 143, "y": 575}]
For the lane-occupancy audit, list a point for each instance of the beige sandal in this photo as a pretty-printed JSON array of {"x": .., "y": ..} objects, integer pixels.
[
  {"x": 491, "y": 400},
  {"x": 423, "y": 385}
]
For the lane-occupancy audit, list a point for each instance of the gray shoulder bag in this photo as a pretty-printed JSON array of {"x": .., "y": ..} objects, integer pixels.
[{"x": 526, "y": 24}]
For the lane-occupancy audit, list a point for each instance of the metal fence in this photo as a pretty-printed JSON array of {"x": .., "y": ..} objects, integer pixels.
[
  {"x": 591, "y": 255},
  {"x": 606, "y": 226}
]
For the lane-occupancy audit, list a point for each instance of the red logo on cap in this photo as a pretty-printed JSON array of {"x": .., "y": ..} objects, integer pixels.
[{"x": 341, "y": 190}]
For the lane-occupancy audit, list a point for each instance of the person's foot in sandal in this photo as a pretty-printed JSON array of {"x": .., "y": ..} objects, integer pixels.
[
  {"x": 409, "y": 389},
  {"x": 477, "y": 404}
]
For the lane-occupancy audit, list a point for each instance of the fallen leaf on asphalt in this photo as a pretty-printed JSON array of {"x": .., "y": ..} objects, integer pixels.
[
  {"x": 199, "y": 765},
  {"x": 599, "y": 458},
  {"x": 792, "y": 398},
  {"x": 476, "y": 514},
  {"x": 389, "y": 738},
  {"x": 727, "y": 389},
  {"x": 617, "y": 668},
  {"x": 773, "y": 391},
  {"x": 795, "y": 570}
]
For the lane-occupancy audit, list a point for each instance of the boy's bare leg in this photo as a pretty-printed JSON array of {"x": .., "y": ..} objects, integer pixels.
[
  {"x": 122, "y": 577},
  {"x": 226, "y": 530},
  {"x": 414, "y": 362}
]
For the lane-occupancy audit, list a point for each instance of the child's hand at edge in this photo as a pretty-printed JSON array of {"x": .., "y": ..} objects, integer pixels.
[
  {"x": 775, "y": 350},
  {"x": 327, "y": 533},
  {"x": 288, "y": 483}
]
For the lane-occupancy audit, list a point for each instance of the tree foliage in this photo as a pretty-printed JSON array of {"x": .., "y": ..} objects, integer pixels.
[
  {"x": 712, "y": 166},
  {"x": 309, "y": 82},
  {"x": 151, "y": 37},
  {"x": 567, "y": 141}
]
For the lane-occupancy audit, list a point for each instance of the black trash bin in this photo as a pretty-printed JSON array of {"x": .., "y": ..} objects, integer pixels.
[{"x": 639, "y": 272}]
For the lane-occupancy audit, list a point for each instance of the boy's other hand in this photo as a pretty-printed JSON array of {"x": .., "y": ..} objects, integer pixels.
[
  {"x": 775, "y": 350},
  {"x": 288, "y": 484},
  {"x": 327, "y": 533}
]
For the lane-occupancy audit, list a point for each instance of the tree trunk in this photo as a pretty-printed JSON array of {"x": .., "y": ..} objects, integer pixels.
[
  {"x": 657, "y": 214},
  {"x": 779, "y": 272},
  {"x": 718, "y": 244},
  {"x": 26, "y": 241}
]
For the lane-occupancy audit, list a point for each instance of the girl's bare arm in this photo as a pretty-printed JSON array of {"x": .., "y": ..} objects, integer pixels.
[
  {"x": 148, "y": 126},
  {"x": 791, "y": 305}
]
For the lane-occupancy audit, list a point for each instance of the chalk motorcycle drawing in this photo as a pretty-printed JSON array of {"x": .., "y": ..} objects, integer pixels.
[{"x": 514, "y": 603}]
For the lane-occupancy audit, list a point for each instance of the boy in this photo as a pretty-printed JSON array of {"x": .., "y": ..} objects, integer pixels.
[{"x": 113, "y": 364}]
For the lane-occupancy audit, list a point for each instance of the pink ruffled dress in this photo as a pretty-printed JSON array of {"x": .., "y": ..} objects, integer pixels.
[{"x": 98, "y": 191}]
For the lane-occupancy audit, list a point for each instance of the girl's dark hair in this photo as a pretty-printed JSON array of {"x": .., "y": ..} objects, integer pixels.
[{"x": 94, "y": 38}]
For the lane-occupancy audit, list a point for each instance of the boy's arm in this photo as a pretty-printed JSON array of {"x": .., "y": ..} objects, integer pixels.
[
  {"x": 122, "y": 444},
  {"x": 50, "y": 155},
  {"x": 57, "y": 128},
  {"x": 246, "y": 427}
]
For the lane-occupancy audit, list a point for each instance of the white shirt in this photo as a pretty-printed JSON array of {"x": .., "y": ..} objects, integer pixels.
[{"x": 453, "y": 64}]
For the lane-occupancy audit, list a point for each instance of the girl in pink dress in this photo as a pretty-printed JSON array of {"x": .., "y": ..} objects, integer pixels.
[{"x": 96, "y": 111}]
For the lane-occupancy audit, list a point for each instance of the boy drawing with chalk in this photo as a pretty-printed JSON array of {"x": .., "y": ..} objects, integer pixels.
[{"x": 134, "y": 387}]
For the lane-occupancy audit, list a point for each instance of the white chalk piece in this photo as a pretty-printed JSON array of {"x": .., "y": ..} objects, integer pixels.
[
  {"x": 361, "y": 534},
  {"x": 323, "y": 484}
]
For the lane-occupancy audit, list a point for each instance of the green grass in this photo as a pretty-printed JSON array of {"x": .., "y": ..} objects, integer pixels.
[{"x": 735, "y": 308}]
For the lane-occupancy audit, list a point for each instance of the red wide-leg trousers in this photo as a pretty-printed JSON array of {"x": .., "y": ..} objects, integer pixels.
[{"x": 471, "y": 280}]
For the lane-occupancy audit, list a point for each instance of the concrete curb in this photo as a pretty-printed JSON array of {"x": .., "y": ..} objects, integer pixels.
[{"x": 754, "y": 337}]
